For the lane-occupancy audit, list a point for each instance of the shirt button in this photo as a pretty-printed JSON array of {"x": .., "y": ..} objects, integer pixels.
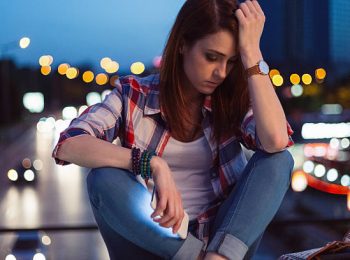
[{"x": 213, "y": 174}]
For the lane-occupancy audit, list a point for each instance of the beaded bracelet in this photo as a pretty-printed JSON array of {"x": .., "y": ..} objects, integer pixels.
[
  {"x": 145, "y": 165},
  {"x": 141, "y": 163},
  {"x": 135, "y": 155}
]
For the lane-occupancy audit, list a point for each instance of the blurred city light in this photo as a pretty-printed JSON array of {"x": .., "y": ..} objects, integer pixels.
[
  {"x": 44, "y": 126},
  {"x": 45, "y": 60},
  {"x": 320, "y": 73},
  {"x": 39, "y": 256},
  {"x": 46, "y": 240},
  {"x": 24, "y": 42},
  {"x": 320, "y": 170},
  {"x": 82, "y": 109},
  {"x": 345, "y": 180},
  {"x": 137, "y": 68},
  {"x": 105, "y": 93},
  {"x": 345, "y": 143},
  {"x": 38, "y": 165},
  {"x": 60, "y": 125},
  {"x": 29, "y": 175},
  {"x": 297, "y": 90},
  {"x": 295, "y": 79},
  {"x": 45, "y": 70},
  {"x": 308, "y": 166},
  {"x": 101, "y": 79},
  {"x": 324, "y": 130},
  {"x": 62, "y": 68},
  {"x": 332, "y": 175},
  {"x": 334, "y": 143},
  {"x": 277, "y": 80},
  {"x": 113, "y": 80},
  {"x": 112, "y": 67},
  {"x": 26, "y": 163},
  {"x": 157, "y": 61},
  {"x": 88, "y": 76},
  {"x": 299, "y": 181},
  {"x": 273, "y": 73},
  {"x": 69, "y": 113},
  {"x": 93, "y": 98},
  {"x": 10, "y": 257},
  {"x": 104, "y": 62},
  {"x": 72, "y": 73},
  {"x": 34, "y": 102},
  {"x": 307, "y": 79},
  {"x": 331, "y": 109},
  {"x": 12, "y": 175}
]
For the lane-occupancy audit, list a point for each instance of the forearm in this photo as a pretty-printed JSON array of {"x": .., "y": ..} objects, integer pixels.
[
  {"x": 268, "y": 112},
  {"x": 88, "y": 151}
]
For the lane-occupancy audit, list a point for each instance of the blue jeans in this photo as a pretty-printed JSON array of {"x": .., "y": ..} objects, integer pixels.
[{"x": 121, "y": 208}]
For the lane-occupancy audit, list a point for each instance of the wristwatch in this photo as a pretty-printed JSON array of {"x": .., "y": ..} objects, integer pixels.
[{"x": 260, "y": 68}]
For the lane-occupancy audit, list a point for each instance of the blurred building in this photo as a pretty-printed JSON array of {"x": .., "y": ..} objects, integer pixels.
[{"x": 303, "y": 35}]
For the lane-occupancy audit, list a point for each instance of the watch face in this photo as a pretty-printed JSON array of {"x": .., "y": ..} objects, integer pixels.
[{"x": 264, "y": 68}]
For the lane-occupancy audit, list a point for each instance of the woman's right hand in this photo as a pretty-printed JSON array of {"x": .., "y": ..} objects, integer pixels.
[{"x": 169, "y": 204}]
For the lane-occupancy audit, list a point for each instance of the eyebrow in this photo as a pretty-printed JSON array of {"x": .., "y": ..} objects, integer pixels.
[{"x": 221, "y": 54}]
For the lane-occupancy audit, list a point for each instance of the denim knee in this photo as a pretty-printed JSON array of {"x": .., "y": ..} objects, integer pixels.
[
  {"x": 99, "y": 179},
  {"x": 280, "y": 165}
]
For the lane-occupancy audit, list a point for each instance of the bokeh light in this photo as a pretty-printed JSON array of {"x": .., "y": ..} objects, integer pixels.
[
  {"x": 69, "y": 113},
  {"x": 24, "y": 42},
  {"x": 34, "y": 102},
  {"x": 273, "y": 73},
  {"x": 332, "y": 175},
  {"x": 297, "y": 90},
  {"x": 45, "y": 60},
  {"x": 307, "y": 79},
  {"x": 104, "y": 62},
  {"x": 46, "y": 240},
  {"x": 294, "y": 79},
  {"x": 45, "y": 70},
  {"x": 26, "y": 163},
  {"x": 62, "y": 68},
  {"x": 137, "y": 68},
  {"x": 29, "y": 175},
  {"x": 320, "y": 73},
  {"x": 345, "y": 180},
  {"x": 72, "y": 73},
  {"x": 12, "y": 175},
  {"x": 299, "y": 181},
  {"x": 277, "y": 80},
  {"x": 101, "y": 79},
  {"x": 38, "y": 165},
  {"x": 113, "y": 80},
  {"x": 112, "y": 67},
  {"x": 88, "y": 76},
  {"x": 319, "y": 170},
  {"x": 93, "y": 98}
]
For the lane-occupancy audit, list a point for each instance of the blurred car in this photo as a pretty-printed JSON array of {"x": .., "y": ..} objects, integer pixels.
[{"x": 29, "y": 245}]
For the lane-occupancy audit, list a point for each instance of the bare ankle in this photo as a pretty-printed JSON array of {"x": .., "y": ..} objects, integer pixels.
[{"x": 214, "y": 256}]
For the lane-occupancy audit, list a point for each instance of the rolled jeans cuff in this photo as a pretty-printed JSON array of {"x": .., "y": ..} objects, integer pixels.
[
  {"x": 190, "y": 249},
  {"x": 228, "y": 246}
]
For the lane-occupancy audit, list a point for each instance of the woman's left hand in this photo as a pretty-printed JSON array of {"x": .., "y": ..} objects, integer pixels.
[{"x": 251, "y": 20}]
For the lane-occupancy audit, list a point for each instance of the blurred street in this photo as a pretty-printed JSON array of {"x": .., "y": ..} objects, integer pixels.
[{"x": 57, "y": 201}]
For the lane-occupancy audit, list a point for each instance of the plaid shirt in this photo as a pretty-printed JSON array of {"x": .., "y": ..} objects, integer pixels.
[{"x": 132, "y": 113}]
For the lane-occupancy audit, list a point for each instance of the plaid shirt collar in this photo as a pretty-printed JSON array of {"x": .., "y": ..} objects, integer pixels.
[{"x": 152, "y": 106}]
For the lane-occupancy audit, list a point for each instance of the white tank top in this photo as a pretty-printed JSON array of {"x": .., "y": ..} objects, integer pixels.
[{"x": 190, "y": 164}]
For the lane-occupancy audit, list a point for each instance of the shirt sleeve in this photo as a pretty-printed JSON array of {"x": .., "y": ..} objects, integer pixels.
[
  {"x": 101, "y": 120},
  {"x": 250, "y": 137}
]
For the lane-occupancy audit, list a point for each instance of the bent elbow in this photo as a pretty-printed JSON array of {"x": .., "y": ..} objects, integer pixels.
[{"x": 277, "y": 144}]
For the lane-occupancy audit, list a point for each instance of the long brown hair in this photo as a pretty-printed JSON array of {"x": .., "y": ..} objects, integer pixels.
[{"x": 230, "y": 100}]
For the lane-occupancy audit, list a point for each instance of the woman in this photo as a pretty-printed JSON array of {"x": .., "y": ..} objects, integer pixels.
[{"x": 183, "y": 129}]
